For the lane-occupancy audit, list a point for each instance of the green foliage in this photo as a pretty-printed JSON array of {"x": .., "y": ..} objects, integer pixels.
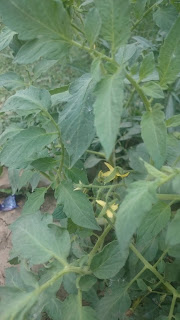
[
  {"x": 115, "y": 22},
  {"x": 11, "y": 81},
  {"x": 77, "y": 120},
  {"x": 135, "y": 205},
  {"x": 27, "y": 142},
  {"x": 92, "y": 104},
  {"x": 76, "y": 206},
  {"x": 108, "y": 110},
  {"x": 154, "y": 135},
  {"x": 169, "y": 56},
  {"x": 92, "y": 25}
]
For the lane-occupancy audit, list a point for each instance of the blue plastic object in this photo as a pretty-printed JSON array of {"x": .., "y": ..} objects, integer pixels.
[{"x": 8, "y": 204}]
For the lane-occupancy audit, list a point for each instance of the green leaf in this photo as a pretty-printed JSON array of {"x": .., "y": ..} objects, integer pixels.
[
  {"x": 86, "y": 282},
  {"x": 139, "y": 7},
  {"x": 58, "y": 213},
  {"x": 76, "y": 206},
  {"x": 92, "y": 25},
  {"x": 30, "y": 297},
  {"x": 11, "y": 81},
  {"x": 14, "y": 279},
  {"x": 153, "y": 90},
  {"x": 142, "y": 285},
  {"x": 36, "y": 18},
  {"x": 21, "y": 278},
  {"x": 154, "y": 135},
  {"x": 114, "y": 304},
  {"x": 28, "y": 101},
  {"x": 45, "y": 164},
  {"x": 108, "y": 262},
  {"x": 69, "y": 283},
  {"x": 73, "y": 310},
  {"x": 152, "y": 225},
  {"x": 77, "y": 119},
  {"x": 137, "y": 203},
  {"x": 91, "y": 161},
  {"x": 126, "y": 52},
  {"x": 34, "y": 180},
  {"x": 17, "y": 151},
  {"x": 6, "y": 37},
  {"x": 35, "y": 200},
  {"x": 164, "y": 17},
  {"x": 33, "y": 50},
  {"x": 61, "y": 97},
  {"x": 173, "y": 121},
  {"x": 13, "y": 176},
  {"x": 147, "y": 66},
  {"x": 172, "y": 271},
  {"x": 115, "y": 21},
  {"x": 176, "y": 4},
  {"x": 173, "y": 236},
  {"x": 77, "y": 173},
  {"x": 9, "y": 132},
  {"x": 169, "y": 57},
  {"x": 173, "y": 150},
  {"x": 53, "y": 308},
  {"x": 18, "y": 301},
  {"x": 38, "y": 243},
  {"x": 46, "y": 24},
  {"x": 108, "y": 109},
  {"x": 135, "y": 157},
  {"x": 24, "y": 178},
  {"x": 43, "y": 66}
]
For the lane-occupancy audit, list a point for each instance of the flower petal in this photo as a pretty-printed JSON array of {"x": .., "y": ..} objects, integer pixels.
[
  {"x": 109, "y": 166},
  {"x": 101, "y": 203}
]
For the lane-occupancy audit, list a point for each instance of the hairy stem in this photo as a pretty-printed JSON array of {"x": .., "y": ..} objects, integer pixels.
[
  {"x": 154, "y": 271},
  {"x": 139, "y": 91},
  {"x": 91, "y": 186},
  {"x": 168, "y": 197},
  {"x": 172, "y": 307},
  {"x": 99, "y": 154},
  {"x": 47, "y": 114},
  {"x": 144, "y": 15},
  {"x": 106, "y": 58},
  {"x": 98, "y": 243},
  {"x": 136, "y": 277}
]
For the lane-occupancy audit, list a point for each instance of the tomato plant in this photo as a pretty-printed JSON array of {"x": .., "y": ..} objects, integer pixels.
[{"x": 108, "y": 141}]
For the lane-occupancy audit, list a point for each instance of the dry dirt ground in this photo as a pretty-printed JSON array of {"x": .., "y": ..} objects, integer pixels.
[{"x": 8, "y": 217}]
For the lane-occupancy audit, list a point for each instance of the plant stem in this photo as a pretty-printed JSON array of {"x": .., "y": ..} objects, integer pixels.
[
  {"x": 140, "y": 92},
  {"x": 172, "y": 307},
  {"x": 46, "y": 175},
  {"x": 35, "y": 293},
  {"x": 97, "y": 53},
  {"x": 104, "y": 57},
  {"x": 130, "y": 99},
  {"x": 98, "y": 243},
  {"x": 91, "y": 186},
  {"x": 60, "y": 142},
  {"x": 168, "y": 197},
  {"x": 100, "y": 154},
  {"x": 80, "y": 297},
  {"x": 136, "y": 277},
  {"x": 161, "y": 257},
  {"x": 144, "y": 15},
  {"x": 134, "y": 307},
  {"x": 153, "y": 270}
]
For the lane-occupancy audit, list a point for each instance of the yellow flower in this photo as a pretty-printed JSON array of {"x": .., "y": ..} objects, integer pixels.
[
  {"x": 112, "y": 173},
  {"x": 113, "y": 207}
]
